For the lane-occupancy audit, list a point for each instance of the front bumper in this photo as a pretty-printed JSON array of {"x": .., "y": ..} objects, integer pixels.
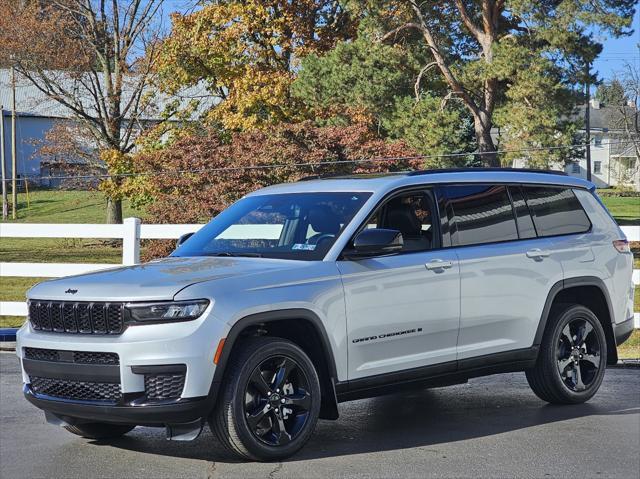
[
  {"x": 183, "y": 410},
  {"x": 141, "y": 350}
]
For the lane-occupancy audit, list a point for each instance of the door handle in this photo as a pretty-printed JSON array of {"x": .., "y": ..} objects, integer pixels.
[
  {"x": 538, "y": 253},
  {"x": 438, "y": 264}
]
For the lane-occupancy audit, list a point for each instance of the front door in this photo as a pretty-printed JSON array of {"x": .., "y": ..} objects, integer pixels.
[{"x": 403, "y": 309}]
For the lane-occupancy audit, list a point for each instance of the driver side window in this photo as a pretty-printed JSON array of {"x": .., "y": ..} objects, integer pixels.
[{"x": 412, "y": 214}]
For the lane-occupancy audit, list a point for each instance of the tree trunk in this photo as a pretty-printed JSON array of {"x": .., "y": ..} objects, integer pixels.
[
  {"x": 114, "y": 211},
  {"x": 486, "y": 149}
]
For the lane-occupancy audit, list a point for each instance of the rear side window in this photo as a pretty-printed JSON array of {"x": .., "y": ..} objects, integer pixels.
[
  {"x": 556, "y": 211},
  {"x": 479, "y": 214}
]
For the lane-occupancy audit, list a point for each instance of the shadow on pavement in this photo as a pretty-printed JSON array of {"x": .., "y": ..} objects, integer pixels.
[{"x": 409, "y": 420}]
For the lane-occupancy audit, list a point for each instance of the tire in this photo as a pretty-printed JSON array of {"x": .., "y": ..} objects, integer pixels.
[
  {"x": 572, "y": 358},
  {"x": 98, "y": 430},
  {"x": 270, "y": 384}
]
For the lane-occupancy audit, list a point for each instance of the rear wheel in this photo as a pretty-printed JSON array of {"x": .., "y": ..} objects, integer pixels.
[
  {"x": 270, "y": 401},
  {"x": 98, "y": 430},
  {"x": 572, "y": 358}
]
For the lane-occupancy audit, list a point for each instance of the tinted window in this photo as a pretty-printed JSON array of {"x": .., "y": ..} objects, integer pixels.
[
  {"x": 480, "y": 214},
  {"x": 411, "y": 214},
  {"x": 556, "y": 211},
  {"x": 525, "y": 223}
]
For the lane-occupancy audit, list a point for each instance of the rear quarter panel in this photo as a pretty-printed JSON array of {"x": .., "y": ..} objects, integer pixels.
[{"x": 614, "y": 268}]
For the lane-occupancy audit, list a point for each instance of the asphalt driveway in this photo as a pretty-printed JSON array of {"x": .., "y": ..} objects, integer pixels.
[{"x": 490, "y": 427}]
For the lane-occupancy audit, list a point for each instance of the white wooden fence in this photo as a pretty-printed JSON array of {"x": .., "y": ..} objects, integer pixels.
[{"x": 131, "y": 232}]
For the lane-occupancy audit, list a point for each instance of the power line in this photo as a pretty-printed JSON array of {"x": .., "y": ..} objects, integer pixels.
[{"x": 318, "y": 163}]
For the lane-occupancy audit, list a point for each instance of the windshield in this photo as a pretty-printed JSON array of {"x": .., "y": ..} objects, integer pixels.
[{"x": 292, "y": 226}]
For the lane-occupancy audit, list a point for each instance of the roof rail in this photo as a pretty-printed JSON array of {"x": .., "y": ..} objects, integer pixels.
[
  {"x": 482, "y": 169},
  {"x": 429, "y": 172}
]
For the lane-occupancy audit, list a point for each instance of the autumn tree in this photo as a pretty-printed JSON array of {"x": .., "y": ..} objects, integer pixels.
[
  {"x": 518, "y": 56},
  {"x": 94, "y": 57},
  {"x": 246, "y": 53},
  {"x": 197, "y": 177}
]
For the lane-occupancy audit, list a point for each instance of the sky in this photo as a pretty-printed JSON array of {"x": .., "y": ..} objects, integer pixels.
[{"x": 618, "y": 51}]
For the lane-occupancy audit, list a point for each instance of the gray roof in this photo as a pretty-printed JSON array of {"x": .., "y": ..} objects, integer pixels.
[
  {"x": 605, "y": 117},
  {"x": 30, "y": 101},
  {"x": 384, "y": 183}
]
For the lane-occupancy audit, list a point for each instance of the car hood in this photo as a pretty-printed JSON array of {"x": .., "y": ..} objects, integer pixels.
[{"x": 157, "y": 280}]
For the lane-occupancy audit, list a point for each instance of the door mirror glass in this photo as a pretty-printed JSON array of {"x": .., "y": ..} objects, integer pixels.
[{"x": 376, "y": 241}]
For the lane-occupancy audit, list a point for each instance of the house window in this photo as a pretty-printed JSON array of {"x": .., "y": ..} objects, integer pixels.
[
  {"x": 597, "y": 167},
  {"x": 598, "y": 140},
  {"x": 575, "y": 167}
]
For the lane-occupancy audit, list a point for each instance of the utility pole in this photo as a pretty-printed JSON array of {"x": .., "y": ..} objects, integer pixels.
[
  {"x": 14, "y": 156},
  {"x": 587, "y": 119},
  {"x": 5, "y": 201}
]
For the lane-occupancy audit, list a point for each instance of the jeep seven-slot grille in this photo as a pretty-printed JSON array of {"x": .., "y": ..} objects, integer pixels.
[
  {"x": 74, "y": 318},
  {"x": 77, "y": 357},
  {"x": 77, "y": 390}
]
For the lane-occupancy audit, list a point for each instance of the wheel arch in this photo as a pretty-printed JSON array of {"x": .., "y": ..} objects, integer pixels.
[
  {"x": 301, "y": 326},
  {"x": 590, "y": 291}
]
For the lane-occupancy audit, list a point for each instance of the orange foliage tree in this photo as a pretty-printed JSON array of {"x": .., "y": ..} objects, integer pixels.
[{"x": 222, "y": 172}]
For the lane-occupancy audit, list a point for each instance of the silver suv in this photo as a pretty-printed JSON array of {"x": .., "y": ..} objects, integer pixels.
[{"x": 300, "y": 296}]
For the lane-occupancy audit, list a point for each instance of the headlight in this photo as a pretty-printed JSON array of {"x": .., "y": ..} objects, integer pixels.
[{"x": 167, "y": 311}]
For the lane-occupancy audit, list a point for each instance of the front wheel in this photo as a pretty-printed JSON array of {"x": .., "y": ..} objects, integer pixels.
[
  {"x": 270, "y": 400},
  {"x": 572, "y": 359}
]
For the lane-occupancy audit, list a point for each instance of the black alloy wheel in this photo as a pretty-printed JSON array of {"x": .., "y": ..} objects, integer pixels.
[
  {"x": 572, "y": 359},
  {"x": 578, "y": 355},
  {"x": 270, "y": 399},
  {"x": 277, "y": 400}
]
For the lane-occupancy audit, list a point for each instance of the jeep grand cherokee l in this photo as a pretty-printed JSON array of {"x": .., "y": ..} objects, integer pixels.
[{"x": 303, "y": 295}]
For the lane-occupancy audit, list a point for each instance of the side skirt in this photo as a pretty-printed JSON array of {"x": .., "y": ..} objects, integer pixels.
[{"x": 438, "y": 375}]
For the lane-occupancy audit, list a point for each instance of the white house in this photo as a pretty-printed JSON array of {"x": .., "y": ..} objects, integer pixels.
[{"x": 614, "y": 161}]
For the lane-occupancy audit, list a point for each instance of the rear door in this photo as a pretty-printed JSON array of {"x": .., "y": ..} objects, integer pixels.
[
  {"x": 403, "y": 309},
  {"x": 506, "y": 271}
]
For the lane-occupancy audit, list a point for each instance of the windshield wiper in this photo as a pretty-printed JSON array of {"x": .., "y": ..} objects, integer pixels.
[{"x": 236, "y": 254}]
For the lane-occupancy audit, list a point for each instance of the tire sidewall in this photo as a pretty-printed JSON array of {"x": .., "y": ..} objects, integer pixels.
[
  {"x": 256, "y": 447},
  {"x": 565, "y": 316}
]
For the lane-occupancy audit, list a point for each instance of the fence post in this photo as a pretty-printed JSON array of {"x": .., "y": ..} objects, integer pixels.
[{"x": 131, "y": 241}]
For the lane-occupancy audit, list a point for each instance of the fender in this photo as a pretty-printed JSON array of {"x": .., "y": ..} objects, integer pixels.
[
  {"x": 572, "y": 283},
  {"x": 329, "y": 408}
]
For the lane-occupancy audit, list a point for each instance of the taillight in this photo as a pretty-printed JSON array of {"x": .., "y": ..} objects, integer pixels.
[{"x": 622, "y": 246}]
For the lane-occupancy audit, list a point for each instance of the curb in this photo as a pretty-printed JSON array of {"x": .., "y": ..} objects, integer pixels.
[
  {"x": 8, "y": 339},
  {"x": 7, "y": 346},
  {"x": 627, "y": 364}
]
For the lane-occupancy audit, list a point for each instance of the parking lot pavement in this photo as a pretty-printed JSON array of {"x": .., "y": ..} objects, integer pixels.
[{"x": 490, "y": 427}]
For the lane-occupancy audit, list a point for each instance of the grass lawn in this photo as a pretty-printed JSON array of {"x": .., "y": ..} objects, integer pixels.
[
  {"x": 626, "y": 211},
  {"x": 58, "y": 206}
]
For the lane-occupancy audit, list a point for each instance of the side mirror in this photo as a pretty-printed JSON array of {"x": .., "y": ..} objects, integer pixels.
[
  {"x": 376, "y": 241},
  {"x": 183, "y": 238}
]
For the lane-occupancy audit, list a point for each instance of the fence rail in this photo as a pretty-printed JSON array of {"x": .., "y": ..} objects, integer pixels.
[{"x": 131, "y": 231}]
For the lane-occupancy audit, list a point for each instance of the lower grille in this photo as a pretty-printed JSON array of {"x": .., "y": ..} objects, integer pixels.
[
  {"x": 163, "y": 386},
  {"x": 78, "y": 357},
  {"x": 78, "y": 390}
]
